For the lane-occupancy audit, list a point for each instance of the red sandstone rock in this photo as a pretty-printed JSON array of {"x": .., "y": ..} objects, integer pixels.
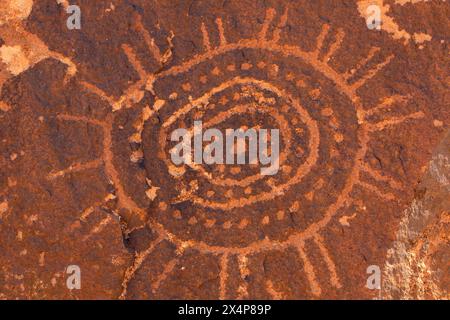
[{"x": 85, "y": 171}]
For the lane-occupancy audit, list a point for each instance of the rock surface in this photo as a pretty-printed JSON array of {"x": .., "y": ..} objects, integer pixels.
[{"x": 86, "y": 179}]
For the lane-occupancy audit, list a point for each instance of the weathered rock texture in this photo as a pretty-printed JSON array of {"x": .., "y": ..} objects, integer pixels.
[{"x": 86, "y": 177}]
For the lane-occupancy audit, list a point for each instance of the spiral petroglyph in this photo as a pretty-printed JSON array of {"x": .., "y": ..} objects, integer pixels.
[{"x": 215, "y": 211}]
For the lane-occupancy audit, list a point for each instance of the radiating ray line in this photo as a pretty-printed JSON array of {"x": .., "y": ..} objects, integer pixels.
[
  {"x": 69, "y": 117},
  {"x": 163, "y": 276},
  {"x": 77, "y": 167},
  {"x": 99, "y": 227},
  {"x": 362, "y": 63},
  {"x": 335, "y": 46},
  {"x": 87, "y": 212},
  {"x": 223, "y": 276},
  {"x": 281, "y": 25},
  {"x": 71, "y": 67},
  {"x": 328, "y": 261},
  {"x": 270, "y": 14},
  {"x": 130, "y": 94},
  {"x": 134, "y": 61},
  {"x": 134, "y": 93},
  {"x": 123, "y": 201},
  {"x": 138, "y": 261},
  {"x": 379, "y": 177},
  {"x": 146, "y": 113},
  {"x": 206, "y": 41},
  {"x": 168, "y": 53},
  {"x": 320, "y": 39},
  {"x": 379, "y": 126},
  {"x": 244, "y": 273},
  {"x": 276, "y": 295},
  {"x": 149, "y": 41},
  {"x": 378, "y": 192},
  {"x": 371, "y": 73},
  {"x": 309, "y": 271},
  {"x": 222, "y": 38},
  {"x": 387, "y": 103},
  {"x": 98, "y": 92}
]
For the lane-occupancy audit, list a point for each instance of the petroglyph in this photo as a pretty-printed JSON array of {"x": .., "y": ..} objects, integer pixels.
[
  {"x": 21, "y": 49},
  {"x": 388, "y": 22},
  {"x": 222, "y": 210},
  {"x": 231, "y": 219}
]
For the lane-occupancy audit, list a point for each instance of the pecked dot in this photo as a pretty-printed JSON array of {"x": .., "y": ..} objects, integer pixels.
[
  {"x": 231, "y": 67},
  {"x": 280, "y": 215},
  {"x": 227, "y": 225},
  {"x": 216, "y": 71},
  {"x": 246, "y": 66},
  {"x": 186, "y": 87},
  {"x": 203, "y": 79}
]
